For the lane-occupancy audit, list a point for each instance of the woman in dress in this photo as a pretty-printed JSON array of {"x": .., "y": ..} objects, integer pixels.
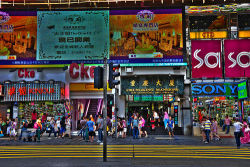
[
  {"x": 215, "y": 130},
  {"x": 245, "y": 130}
]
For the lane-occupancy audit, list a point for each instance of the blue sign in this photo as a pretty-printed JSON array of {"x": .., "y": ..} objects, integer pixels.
[
  {"x": 214, "y": 89},
  {"x": 72, "y": 35}
]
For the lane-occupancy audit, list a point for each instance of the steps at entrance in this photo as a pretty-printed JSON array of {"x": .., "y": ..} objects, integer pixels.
[
  {"x": 93, "y": 107},
  {"x": 161, "y": 131}
]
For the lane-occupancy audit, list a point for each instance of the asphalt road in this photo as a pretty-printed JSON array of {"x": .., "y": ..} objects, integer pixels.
[{"x": 124, "y": 155}]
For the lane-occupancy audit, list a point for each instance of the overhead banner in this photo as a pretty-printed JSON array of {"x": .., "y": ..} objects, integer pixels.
[
  {"x": 214, "y": 89},
  {"x": 237, "y": 58},
  {"x": 206, "y": 59},
  {"x": 73, "y": 35},
  {"x": 146, "y": 36},
  {"x": 152, "y": 85},
  {"x": 18, "y": 36}
]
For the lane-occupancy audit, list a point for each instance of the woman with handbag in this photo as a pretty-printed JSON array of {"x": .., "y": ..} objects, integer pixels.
[
  {"x": 246, "y": 131},
  {"x": 237, "y": 131},
  {"x": 13, "y": 129}
]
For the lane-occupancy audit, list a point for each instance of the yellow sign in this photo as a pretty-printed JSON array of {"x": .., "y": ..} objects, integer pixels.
[
  {"x": 208, "y": 35},
  {"x": 75, "y": 87},
  {"x": 244, "y": 34}
]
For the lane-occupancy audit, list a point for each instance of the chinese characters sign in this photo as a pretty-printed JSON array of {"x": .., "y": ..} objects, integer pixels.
[
  {"x": 206, "y": 59},
  {"x": 242, "y": 90},
  {"x": 152, "y": 85},
  {"x": 32, "y": 91},
  {"x": 237, "y": 58},
  {"x": 73, "y": 35},
  {"x": 18, "y": 35},
  {"x": 146, "y": 36}
]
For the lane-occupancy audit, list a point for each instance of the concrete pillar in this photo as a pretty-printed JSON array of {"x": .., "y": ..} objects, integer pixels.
[{"x": 187, "y": 122}]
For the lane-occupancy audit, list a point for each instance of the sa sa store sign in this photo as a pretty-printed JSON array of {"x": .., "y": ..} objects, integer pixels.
[{"x": 206, "y": 59}]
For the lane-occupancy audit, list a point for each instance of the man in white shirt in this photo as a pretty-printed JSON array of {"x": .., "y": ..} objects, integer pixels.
[{"x": 237, "y": 131}]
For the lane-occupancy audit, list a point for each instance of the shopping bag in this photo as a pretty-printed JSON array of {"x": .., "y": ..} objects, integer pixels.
[{"x": 1, "y": 133}]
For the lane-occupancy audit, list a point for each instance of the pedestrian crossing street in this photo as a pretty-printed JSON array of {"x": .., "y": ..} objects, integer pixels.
[{"x": 128, "y": 151}]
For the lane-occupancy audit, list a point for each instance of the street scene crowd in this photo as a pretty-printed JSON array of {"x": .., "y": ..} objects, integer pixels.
[{"x": 135, "y": 125}]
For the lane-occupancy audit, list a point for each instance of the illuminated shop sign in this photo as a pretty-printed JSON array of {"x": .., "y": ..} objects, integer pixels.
[
  {"x": 30, "y": 91},
  {"x": 242, "y": 90},
  {"x": 76, "y": 71},
  {"x": 214, "y": 89}
]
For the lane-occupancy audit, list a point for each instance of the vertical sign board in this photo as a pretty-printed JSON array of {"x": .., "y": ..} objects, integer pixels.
[
  {"x": 243, "y": 90},
  {"x": 206, "y": 59},
  {"x": 72, "y": 35},
  {"x": 176, "y": 114},
  {"x": 237, "y": 58}
]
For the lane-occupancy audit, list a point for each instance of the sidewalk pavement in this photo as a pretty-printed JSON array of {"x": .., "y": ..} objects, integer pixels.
[{"x": 150, "y": 140}]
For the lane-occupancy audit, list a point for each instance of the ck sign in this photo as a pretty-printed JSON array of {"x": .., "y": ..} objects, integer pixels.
[
  {"x": 206, "y": 59},
  {"x": 26, "y": 73}
]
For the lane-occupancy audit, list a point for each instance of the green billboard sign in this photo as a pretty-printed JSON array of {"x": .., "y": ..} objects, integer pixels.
[{"x": 242, "y": 90}]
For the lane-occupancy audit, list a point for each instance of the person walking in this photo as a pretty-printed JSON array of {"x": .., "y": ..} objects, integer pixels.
[
  {"x": 170, "y": 126},
  {"x": 91, "y": 129},
  {"x": 124, "y": 128},
  {"x": 24, "y": 126},
  {"x": 135, "y": 125},
  {"x": 13, "y": 129},
  {"x": 63, "y": 126},
  {"x": 215, "y": 130},
  {"x": 100, "y": 129},
  {"x": 9, "y": 123},
  {"x": 68, "y": 126},
  {"x": 58, "y": 126},
  {"x": 52, "y": 127},
  {"x": 143, "y": 130},
  {"x": 227, "y": 124},
  {"x": 207, "y": 130},
  {"x": 165, "y": 119},
  {"x": 83, "y": 124},
  {"x": 246, "y": 131},
  {"x": 237, "y": 132},
  {"x": 33, "y": 117},
  {"x": 38, "y": 127}
]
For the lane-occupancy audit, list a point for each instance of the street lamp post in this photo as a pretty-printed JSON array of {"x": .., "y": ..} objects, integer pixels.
[{"x": 105, "y": 110}]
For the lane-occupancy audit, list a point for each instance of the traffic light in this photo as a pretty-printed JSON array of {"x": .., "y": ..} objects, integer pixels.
[
  {"x": 98, "y": 77},
  {"x": 110, "y": 100},
  {"x": 113, "y": 74}
]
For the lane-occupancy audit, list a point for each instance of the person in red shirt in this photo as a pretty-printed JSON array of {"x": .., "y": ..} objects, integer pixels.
[{"x": 34, "y": 117}]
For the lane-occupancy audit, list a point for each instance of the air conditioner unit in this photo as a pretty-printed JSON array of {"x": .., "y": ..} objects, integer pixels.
[{"x": 129, "y": 69}]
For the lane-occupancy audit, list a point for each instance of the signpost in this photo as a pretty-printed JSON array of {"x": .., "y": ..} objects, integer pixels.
[{"x": 105, "y": 110}]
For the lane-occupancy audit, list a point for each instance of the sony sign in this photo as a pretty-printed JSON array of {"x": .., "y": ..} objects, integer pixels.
[{"x": 214, "y": 89}]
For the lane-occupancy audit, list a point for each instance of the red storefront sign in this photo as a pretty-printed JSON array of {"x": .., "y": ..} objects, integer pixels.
[
  {"x": 24, "y": 91},
  {"x": 83, "y": 71},
  {"x": 26, "y": 73}
]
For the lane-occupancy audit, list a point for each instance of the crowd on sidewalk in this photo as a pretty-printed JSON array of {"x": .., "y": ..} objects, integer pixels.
[{"x": 209, "y": 129}]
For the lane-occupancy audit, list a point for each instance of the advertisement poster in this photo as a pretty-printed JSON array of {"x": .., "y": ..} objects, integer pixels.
[
  {"x": 146, "y": 36},
  {"x": 18, "y": 36},
  {"x": 243, "y": 90},
  {"x": 73, "y": 35},
  {"x": 206, "y": 59},
  {"x": 237, "y": 58}
]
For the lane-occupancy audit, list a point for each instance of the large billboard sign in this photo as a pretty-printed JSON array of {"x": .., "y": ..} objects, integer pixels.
[
  {"x": 146, "y": 36},
  {"x": 206, "y": 59},
  {"x": 237, "y": 58},
  {"x": 73, "y": 35},
  {"x": 18, "y": 36}
]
